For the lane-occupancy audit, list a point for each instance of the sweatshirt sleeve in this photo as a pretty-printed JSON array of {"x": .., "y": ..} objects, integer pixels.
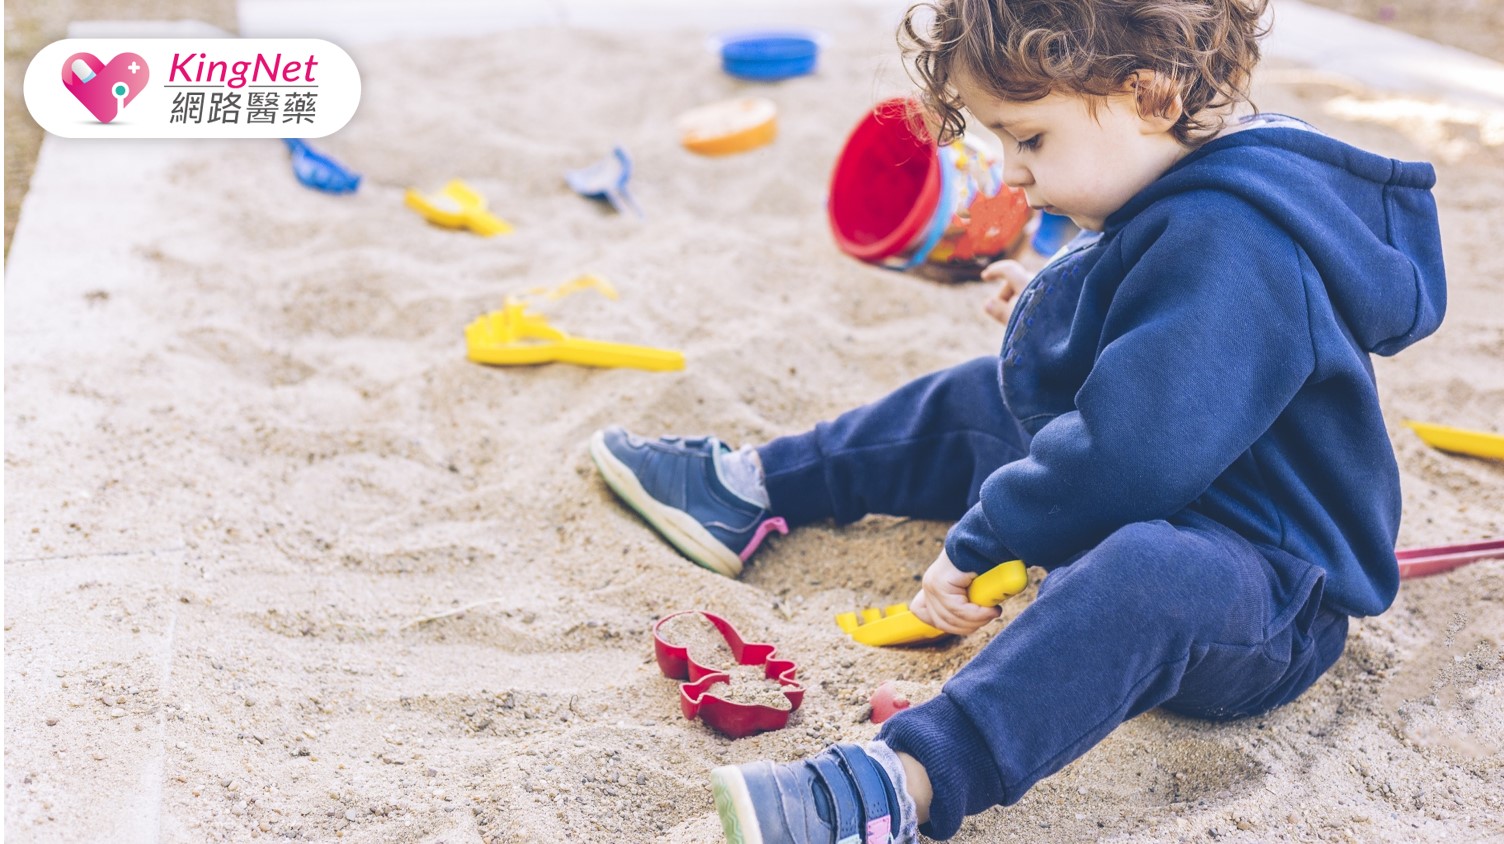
[{"x": 1204, "y": 343}]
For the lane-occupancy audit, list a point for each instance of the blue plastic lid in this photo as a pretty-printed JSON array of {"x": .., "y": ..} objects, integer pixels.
[{"x": 768, "y": 56}]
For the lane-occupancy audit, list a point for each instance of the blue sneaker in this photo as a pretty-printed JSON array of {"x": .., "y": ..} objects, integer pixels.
[
  {"x": 841, "y": 796},
  {"x": 674, "y": 484}
]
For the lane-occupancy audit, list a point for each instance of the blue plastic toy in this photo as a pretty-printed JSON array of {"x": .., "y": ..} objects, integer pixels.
[
  {"x": 319, "y": 171},
  {"x": 769, "y": 56},
  {"x": 1054, "y": 231},
  {"x": 606, "y": 180}
]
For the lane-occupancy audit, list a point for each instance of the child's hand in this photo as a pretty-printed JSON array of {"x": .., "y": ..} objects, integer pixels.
[
  {"x": 942, "y": 601},
  {"x": 1014, "y": 277}
]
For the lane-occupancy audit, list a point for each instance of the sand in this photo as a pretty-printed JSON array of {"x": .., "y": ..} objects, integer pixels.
[{"x": 281, "y": 563}]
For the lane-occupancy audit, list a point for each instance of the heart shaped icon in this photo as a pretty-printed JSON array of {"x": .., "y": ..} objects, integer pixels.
[{"x": 104, "y": 89}]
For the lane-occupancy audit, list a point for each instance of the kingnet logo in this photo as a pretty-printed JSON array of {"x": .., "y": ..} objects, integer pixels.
[
  {"x": 214, "y": 88},
  {"x": 105, "y": 89}
]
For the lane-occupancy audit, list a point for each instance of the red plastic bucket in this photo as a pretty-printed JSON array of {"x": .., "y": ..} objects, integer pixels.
[{"x": 898, "y": 199}]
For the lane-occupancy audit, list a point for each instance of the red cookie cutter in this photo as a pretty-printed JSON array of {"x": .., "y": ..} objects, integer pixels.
[{"x": 727, "y": 717}]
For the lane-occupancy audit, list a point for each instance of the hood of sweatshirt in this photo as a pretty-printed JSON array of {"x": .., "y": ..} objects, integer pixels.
[{"x": 1367, "y": 222}]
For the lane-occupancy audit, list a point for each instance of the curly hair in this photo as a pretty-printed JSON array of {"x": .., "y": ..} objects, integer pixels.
[{"x": 1203, "y": 52}]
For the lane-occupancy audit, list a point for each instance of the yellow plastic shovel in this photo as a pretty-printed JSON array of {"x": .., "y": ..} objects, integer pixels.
[
  {"x": 1458, "y": 440},
  {"x": 516, "y": 335},
  {"x": 457, "y": 206},
  {"x": 896, "y": 625}
]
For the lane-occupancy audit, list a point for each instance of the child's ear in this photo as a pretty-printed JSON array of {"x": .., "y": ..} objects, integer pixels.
[{"x": 1157, "y": 99}]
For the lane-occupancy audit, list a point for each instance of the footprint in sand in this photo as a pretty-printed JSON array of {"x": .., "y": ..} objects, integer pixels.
[{"x": 246, "y": 358}]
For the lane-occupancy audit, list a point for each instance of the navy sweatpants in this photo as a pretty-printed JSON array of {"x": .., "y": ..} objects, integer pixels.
[{"x": 1188, "y": 616}]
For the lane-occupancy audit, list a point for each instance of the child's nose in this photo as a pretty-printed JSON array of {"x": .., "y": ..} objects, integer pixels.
[{"x": 1015, "y": 175}]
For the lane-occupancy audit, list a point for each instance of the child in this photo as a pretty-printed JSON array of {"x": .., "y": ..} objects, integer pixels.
[{"x": 1182, "y": 426}]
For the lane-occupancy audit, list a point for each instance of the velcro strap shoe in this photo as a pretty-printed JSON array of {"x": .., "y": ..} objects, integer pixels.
[
  {"x": 675, "y": 484},
  {"x": 841, "y": 796}
]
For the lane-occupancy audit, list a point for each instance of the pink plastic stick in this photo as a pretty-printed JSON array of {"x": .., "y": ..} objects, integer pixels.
[{"x": 1421, "y": 562}]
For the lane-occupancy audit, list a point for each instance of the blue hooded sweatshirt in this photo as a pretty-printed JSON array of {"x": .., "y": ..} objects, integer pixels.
[{"x": 1207, "y": 358}]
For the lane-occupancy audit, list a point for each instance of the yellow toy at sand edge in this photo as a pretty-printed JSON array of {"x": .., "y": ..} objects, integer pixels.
[
  {"x": 515, "y": 335},
  {"x": 458, "y": 206},
  {"x": 897, "y": 625},
  {"x": 1458, "y": 440}
]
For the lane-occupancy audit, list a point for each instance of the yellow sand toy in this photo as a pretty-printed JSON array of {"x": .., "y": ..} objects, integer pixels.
[
  {"x": 896, "y": 625},
  {"x": 458, "y": 206},
  {"x": 729, "y": 127},
  {"x": 1459, "y": 441},
  {"x": 515, "y": 335}
]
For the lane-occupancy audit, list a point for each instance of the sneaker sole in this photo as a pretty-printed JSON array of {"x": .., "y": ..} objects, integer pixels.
[
  {"x": 678, "y": 527},
  {"x": 733, "y": 802}
]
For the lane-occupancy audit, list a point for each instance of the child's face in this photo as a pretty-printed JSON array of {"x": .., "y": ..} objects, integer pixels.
[{"x": 1070, "y": 161}]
